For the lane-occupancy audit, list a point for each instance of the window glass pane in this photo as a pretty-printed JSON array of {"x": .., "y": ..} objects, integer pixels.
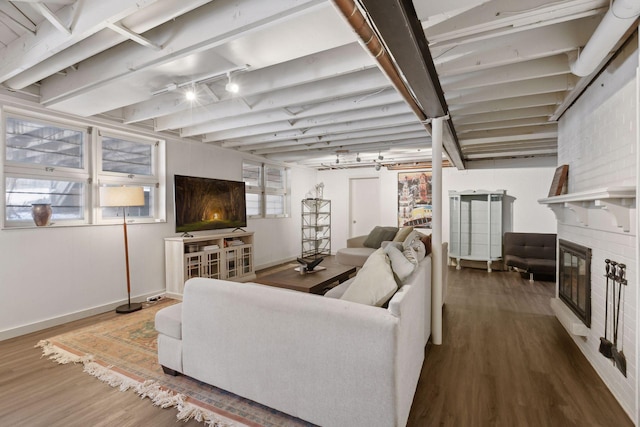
[
  {"x": 145, "y": 211},
  {"x": 130, "y": 157},
  {"x": 251, "y": 174},
  {"x": 275, "y": 204},
  {"x": 274, "y": 177},
  {"x": 66, "y": 198},
  {"x": 32, "y": 142},
  {"x": 253, "y": 204}
]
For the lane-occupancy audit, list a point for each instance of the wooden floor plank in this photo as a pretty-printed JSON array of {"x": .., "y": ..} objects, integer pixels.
[{"x": 505, "y": 361}]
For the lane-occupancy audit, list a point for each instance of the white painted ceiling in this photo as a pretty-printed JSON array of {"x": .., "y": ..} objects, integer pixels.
[{"x": 310, "y": 93}]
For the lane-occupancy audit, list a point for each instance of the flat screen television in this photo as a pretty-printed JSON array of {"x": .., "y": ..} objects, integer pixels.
[{"x": 208, "y": 204}]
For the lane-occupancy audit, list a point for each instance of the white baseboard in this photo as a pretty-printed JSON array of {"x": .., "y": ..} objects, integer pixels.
[{"x": 61, "y": 320}]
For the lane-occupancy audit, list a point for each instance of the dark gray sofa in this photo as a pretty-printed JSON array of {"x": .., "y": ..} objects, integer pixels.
[{"x": 533, "y": 253}]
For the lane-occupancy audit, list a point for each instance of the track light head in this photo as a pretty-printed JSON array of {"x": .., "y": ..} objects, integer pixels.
[
  {"x": 231, "y": 86},
  {"x": 378, "y": 166},
  {"x": 190, "y": 94}
]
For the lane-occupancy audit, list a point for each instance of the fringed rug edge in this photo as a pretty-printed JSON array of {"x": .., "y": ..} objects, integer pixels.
[{"x": 158, "y": 395}]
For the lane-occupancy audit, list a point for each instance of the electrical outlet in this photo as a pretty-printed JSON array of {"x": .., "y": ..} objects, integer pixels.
[{"x": 155, "y": 298}]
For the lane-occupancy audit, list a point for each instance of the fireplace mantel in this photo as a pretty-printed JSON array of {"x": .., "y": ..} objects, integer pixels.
[{"x": 615, "y": 200}]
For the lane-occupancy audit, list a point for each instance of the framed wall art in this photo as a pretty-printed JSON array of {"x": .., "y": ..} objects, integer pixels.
[
  {"x": 414, "y": 199},
  {"x": 558, "y": 185}
]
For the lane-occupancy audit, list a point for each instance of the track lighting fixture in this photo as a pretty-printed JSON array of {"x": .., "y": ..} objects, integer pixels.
[
  {"x": 378, "y": 166},
  {"x": 380, "y": 156},
  {"x": 358, "y": 158},
  {"x": 337, "y": 159},
  {"x": 205, "y": 78}
]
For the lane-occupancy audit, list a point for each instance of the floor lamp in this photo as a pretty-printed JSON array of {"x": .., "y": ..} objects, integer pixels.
[{"x": 124, "y": 197}]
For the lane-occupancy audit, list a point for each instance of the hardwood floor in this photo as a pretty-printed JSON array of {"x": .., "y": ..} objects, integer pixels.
[{"x": 505, "y": 361}]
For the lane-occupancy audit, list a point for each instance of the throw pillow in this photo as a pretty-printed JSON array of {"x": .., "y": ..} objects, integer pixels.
[
  {"x": 426, "y": 240},
  {"x": 402, "y": 234},
  {"x": 413, "y": 241},
  {"x": 374, "y": 284},
  {"x": 379, "y": 235},
  {"x": 401, "y": 266}
]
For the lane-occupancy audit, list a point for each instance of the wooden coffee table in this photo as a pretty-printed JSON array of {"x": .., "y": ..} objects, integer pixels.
[{"x": 316, "y": 283}]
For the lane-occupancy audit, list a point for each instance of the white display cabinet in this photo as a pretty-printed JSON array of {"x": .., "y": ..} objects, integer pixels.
[
  {"x": 316, "y": 227},
  {"x": 475, "y": 226},
  {"x": 226, "y": 256}
]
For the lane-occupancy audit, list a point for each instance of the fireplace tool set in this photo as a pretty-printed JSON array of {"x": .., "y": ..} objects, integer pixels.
[{"x": 615, "y": 274}]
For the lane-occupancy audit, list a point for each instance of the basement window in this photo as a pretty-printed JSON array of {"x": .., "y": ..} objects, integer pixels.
[
  {"x": 126, "y": 160},
  {"x": 53, "y": 162},
  {"x": 267, "y": 190}
]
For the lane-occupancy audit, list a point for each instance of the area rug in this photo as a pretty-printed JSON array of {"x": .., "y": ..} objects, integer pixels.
[{"x": 123, "y": 353}]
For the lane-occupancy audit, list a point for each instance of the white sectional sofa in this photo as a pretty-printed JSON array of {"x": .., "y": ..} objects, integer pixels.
[{"x": 325, "y": 360}]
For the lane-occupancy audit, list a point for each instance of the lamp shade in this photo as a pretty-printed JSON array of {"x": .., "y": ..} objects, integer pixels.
[{"x": 121, "y": 196}]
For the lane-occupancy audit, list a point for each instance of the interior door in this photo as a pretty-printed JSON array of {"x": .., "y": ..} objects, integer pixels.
[{"x": 364, "y": 205}]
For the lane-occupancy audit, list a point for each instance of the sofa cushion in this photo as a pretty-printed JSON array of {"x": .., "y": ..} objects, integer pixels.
[
  {"x": 379, "y": 235},
  {"x": 400, "y": 265},
  {"x": 168, "y": 321},
  {"x": 338, "y": 291},
  {"x": 402, "y": 234},
  {"x": 374, "y": 284},
  {"x": 353, "y": 256}
]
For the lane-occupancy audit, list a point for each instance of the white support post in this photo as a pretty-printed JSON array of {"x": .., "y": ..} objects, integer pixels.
[{"x": 436, "y": 234}]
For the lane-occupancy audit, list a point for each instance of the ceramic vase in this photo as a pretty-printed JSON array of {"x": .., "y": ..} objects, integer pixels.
[{"x": 41, "y": 213}]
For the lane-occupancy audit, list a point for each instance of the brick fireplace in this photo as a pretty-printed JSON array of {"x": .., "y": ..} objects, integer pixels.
[{"x": 598, "y": 139}]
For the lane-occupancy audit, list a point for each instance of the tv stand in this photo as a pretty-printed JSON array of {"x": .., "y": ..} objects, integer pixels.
[{"x": 227, "y": 256}]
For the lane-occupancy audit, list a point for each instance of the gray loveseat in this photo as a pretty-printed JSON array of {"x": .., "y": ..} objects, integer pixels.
[{"x": 533, "y": 253}]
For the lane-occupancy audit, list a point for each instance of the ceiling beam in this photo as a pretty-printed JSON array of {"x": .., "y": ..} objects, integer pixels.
[
  {"x": 351, "y": 105},
  {"x": 377, "y": 138},
  {"x": 330, "y": 63},
  {"x": 524, "y": 46},
  {"x": 397, "y": 24},
  {"x": 498, "y": 116},
  {"x": 504, "y": 124},
  {"x": 326, "y": 131},
  {"x": 552, "y": 98},
  {"x": 498, "y": 18},
  {"x": 352, "y": 146},
  {"x": 331, "y": 123},
  {"x": 160, "y": 12},
  {"x": 361, "y": 82},
  {"x": 120, "y": 29},
  {"x": 28, "y": 50},
  {"x": 526, "y": 70},
  {"x": 204, "y": 28},
  {"x": 512, "y": 90},
  {"x": 17, "y": 20},
  {"x": 52, "y": 18},
  {"x": 390, "y": 129}
]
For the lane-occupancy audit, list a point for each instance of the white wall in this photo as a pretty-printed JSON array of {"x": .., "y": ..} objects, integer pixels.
[
  {"x": 55, "y": 274},
  {"x": 526, "y": 181},
  {"x": 598, "y": 139}
]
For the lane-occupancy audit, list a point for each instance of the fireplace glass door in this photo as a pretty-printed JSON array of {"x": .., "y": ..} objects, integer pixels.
[{"x": 575, "y": 279}]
